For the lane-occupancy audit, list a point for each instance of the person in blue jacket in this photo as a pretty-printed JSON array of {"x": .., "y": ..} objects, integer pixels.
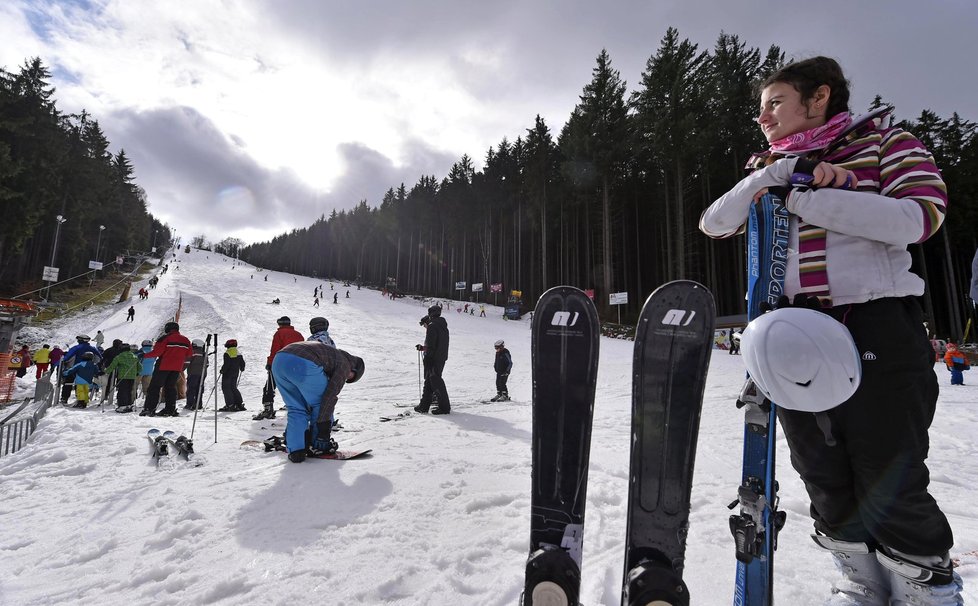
[
  {"x": 73, "y": 355},
  {"x": 146, "y": 366},
  {"x": 84, "y": 376}
]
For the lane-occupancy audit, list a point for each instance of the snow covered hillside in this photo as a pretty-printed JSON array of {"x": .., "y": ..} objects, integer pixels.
[{"x": 438, "y": 515}]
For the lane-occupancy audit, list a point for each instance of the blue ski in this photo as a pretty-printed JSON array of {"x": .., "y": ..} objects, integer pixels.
[{"x": 755, "y": 526}]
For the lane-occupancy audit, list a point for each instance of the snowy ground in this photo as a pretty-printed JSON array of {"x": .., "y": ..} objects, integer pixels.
[{"x": 438, "y": 515}]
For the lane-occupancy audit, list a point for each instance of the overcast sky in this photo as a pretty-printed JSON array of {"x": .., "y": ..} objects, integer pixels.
[{"x": 248, "y": 118}]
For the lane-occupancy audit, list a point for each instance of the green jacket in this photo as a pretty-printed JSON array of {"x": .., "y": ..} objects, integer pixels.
[{"x": 126, "y": 366}]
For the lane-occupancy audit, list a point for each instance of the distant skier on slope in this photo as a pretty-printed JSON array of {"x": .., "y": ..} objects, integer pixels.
[{"x": 502, "y": 365}]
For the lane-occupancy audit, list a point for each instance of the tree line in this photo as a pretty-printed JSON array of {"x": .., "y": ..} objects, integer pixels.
[
  {"x": 612, "y": 202},
  {"x": 54, "y": 165}
]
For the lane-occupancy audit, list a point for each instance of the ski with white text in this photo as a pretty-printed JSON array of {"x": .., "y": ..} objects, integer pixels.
[
  {"x": 755, "y": 527},
  {"x": 160, "y": 445},
  {"x": 673, "y": 344},
  {"x": 564, "y": 346}
]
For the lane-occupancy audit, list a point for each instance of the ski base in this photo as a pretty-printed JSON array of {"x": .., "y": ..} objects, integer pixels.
[{"x": 339, "y": 455}]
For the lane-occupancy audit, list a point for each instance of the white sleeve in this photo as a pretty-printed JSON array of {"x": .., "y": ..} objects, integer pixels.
[
  {"x": 728, "y": 213},
  {"x": 897, "y": 221}
]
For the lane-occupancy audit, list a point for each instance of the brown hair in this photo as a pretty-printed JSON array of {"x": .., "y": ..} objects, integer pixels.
[{"x": 806, "y": 76}]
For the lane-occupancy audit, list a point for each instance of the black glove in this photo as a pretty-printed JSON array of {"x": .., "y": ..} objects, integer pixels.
[
  {"x": 419, "y": 347},
  {"x": 800, "y": 300},
  {"x": 268, "y": 367}
]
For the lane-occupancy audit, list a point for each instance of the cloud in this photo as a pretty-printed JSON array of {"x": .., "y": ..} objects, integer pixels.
[{"x": 200, "y": 180}]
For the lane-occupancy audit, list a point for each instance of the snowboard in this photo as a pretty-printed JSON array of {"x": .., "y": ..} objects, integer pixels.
[
  {"x": 673, "y": 344},
  {"x": 564, "y": 352},
  {"x": 758, "y": 521},
  {"x": 276, "y": 443},
  {"x": 185, "y": 448}
]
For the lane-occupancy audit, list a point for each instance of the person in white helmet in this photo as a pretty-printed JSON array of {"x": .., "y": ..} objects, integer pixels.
[{"x": 502, "y": 366}]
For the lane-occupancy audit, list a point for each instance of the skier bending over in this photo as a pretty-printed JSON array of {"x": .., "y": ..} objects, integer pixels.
[
  {"x": 311, "y": 375},
  {"x": 865, "y": 473}
]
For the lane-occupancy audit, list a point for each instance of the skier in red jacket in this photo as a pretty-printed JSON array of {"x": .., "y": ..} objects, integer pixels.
[
  {"x": 283, "y": 336},
  {"x": 173, "y": 351}
]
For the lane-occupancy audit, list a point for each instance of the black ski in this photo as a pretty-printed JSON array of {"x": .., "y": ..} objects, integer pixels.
[
  {"x": 564, "y": 351},
  {"x": 161, "y": 452},
  {"x": 184, "y": 447},
  {"x": 673, "y": 343}
]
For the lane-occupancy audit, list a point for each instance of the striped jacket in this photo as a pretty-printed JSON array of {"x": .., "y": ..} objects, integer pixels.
[{"x": 900, "y": 198}]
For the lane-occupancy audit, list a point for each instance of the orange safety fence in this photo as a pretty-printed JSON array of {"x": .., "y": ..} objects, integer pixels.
[{"x": 7, "y": 378}]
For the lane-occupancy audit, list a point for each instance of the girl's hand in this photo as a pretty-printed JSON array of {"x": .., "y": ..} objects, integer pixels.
[{"x": 829, "y": 175}]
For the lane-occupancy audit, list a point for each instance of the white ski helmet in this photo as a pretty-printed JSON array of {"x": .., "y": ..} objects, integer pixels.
[{"x": 801, "y": 359}]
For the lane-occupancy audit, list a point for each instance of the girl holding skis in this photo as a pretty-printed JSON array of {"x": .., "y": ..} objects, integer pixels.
[{"x": 858, "y": 193}]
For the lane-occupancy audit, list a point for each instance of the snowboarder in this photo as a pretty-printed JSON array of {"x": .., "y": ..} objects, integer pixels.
[
  {"x": 42, "y": 359},
  {"x": 311, "y": 376},
  {"x": 336, "y": 298},
  {"x": 957, "y": 363},
  {"x": 196, "y": 373},
  {"x": 83, "y": 375},
  {"x": 284, "y": 335},
  {"x": 883, "y": 544},
  {"x": 435, "y": 350},
  {"x": 315, "y": 302},
  {"x": 173, "y": 349},
  {"x": 502, "y": 366},
  {"x": 125, "y": 366},
  {"x": 131, "y": 315},
  {"x": 234, "y": 365}
]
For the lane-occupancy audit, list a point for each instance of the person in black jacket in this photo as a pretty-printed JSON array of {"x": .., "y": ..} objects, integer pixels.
[
  {"x": 234, "y": 364},
  {"x": 502, "y": 366},
  {"x": 435, "y": 350}
]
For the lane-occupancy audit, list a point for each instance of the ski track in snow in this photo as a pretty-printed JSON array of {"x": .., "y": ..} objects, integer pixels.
[{"x": 439, "y": 514}]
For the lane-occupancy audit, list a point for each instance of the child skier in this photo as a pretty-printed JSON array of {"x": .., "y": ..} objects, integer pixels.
[
  {"x": 42, "y": 359},
  {"x": 284, "y": 335},
  {"x": 957, "y": 363},
  {"x": 233, "y": 366},
  {"x": 196, "y": 373},
  {"x": 146, "y": 366},
  {"x": 126, "y": 366},
  {"x": 84, "y": 376},
  {"x": 502, "y": 366}
]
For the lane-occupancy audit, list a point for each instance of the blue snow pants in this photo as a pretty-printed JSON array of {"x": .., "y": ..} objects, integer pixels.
[{"x": 302, "y": 384}]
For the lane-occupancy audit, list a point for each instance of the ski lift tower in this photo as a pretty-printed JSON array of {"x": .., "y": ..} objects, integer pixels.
[{"x": 14, "y": 315}]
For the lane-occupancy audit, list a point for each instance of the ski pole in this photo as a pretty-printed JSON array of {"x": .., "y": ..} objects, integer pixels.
[
  {"x": 215, "y": 390},
  {"x": 193, "y": 425},
  {"x": 419, "y": 373}
]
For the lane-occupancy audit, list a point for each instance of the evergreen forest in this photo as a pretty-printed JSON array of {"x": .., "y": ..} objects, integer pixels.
[{"x": 609, "y": 200}]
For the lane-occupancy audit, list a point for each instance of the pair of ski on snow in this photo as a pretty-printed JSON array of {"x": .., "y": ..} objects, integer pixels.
[
  {"x": 163, "y": 441},
  {"x": 673, "y": 343}
]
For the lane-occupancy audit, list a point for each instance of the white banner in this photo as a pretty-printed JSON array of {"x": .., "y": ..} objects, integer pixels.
[
  {"x": 50, "y": 274},
  {"x": 477, "y": 287},
  {"x": 619, "y": 298},
  {"x": 460, "y": 286},
  {"x": 94, "y": 265}
]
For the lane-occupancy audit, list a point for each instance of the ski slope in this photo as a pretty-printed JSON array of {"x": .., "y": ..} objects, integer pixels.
[{"x": 438, "y": 515}]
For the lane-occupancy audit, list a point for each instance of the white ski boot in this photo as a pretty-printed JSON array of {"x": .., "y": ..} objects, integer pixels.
[
  {"x": 864, "y": 581},
  {"x": 921, "y": 580}
]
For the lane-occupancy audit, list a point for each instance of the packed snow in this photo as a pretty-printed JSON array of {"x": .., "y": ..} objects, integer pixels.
[{"x": 438, "y": 514}]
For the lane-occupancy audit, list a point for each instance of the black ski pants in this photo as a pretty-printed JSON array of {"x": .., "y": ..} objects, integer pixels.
[
  {"x": 872, "y": 485},
  {"x": 229, "y": 387},
  {"x": 125, "y": 392},
  {"x": 167, "y": 381},
  {"x": 268, "y": 393},
  {"x": 434, "y": 384},
  {"x": 501, "y": 379},
  {"x": 194, "y": 385}
]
